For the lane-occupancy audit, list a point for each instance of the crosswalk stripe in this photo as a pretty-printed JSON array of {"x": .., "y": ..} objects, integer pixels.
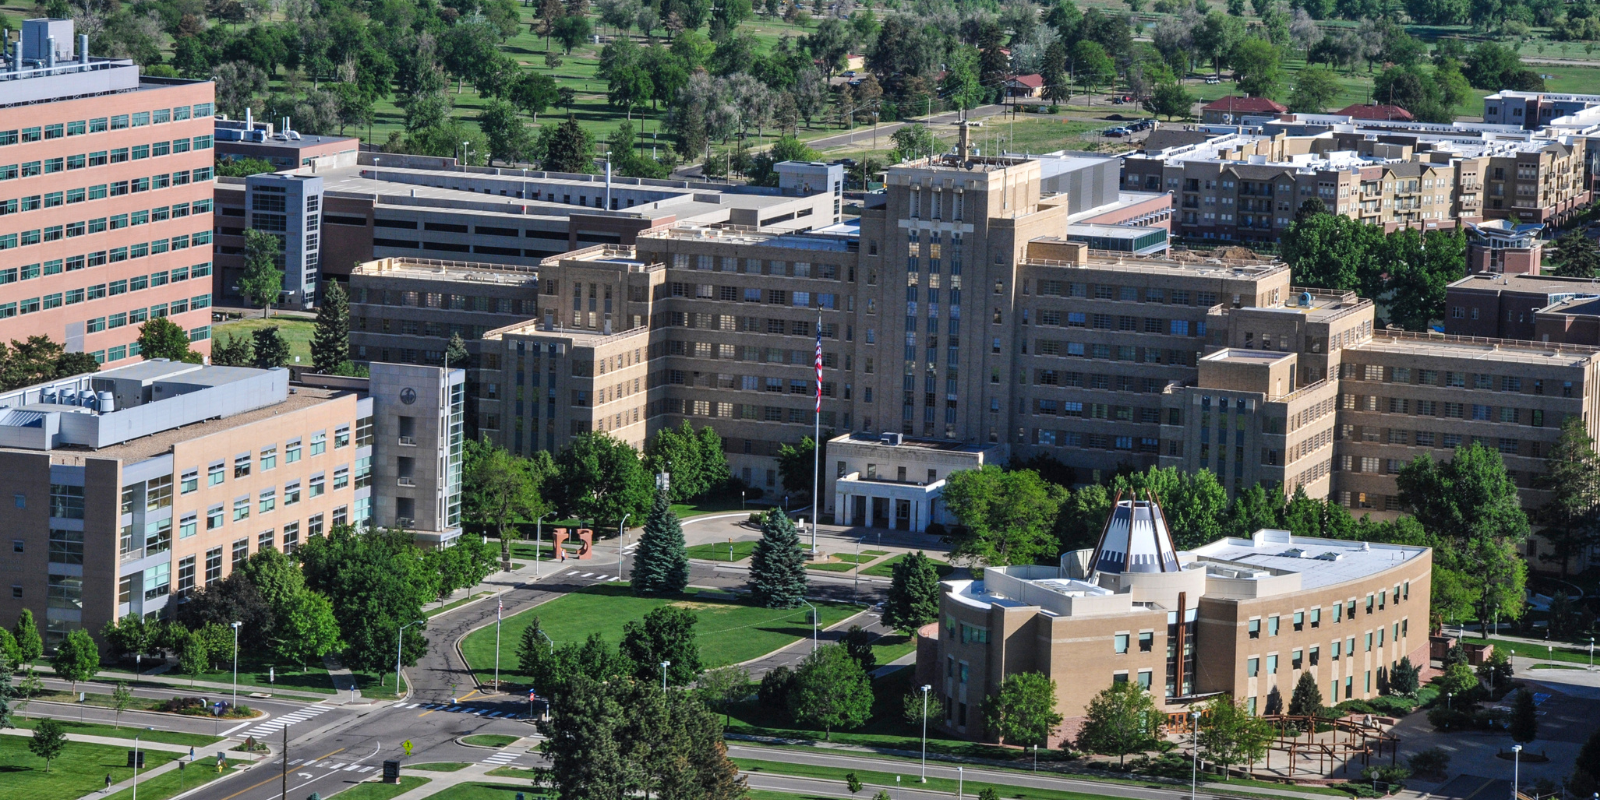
[
  {"x": 454, "y": 709},
  {"x": 352, "y": 768},
  {"x": 296, "y": 761}
]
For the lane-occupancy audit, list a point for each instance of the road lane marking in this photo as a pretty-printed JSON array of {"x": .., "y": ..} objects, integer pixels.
[
  {"x": 229, "y": 732},
  {"x": 277, "y": 777}
]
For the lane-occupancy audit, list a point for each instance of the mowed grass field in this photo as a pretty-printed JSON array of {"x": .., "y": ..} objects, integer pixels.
[{"x": 727, "y": 632}]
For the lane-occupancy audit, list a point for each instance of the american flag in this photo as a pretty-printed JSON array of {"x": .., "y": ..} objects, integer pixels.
[{"x": 819, "y": 368}]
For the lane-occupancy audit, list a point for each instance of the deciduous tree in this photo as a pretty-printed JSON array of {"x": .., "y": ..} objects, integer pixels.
[
  {"x": 77, "y": 658},
  {"x": 666, "y": 634},
  {"x": 830, "y": 691},
  {"x": 262, "y": 281},
  {"x": 1023, "y": 712},
  {"x": 1006, "y": 517},
  {"x": 600, "y": 477},
  {"x": 1231, "y": 735},
  {"x": 1572, "y": 478},
  {"x": 1121, "y": 719},
  {"x": 48, "y": 741},
  {"x": 29, "y": 644},
  {"x": 162, "y": 338}
]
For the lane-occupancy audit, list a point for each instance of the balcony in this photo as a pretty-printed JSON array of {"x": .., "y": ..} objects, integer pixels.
[
  {"x": 408, "y": 441},
  {"x": 405, "y": 522},
  {"x": 405, "y": 480}
]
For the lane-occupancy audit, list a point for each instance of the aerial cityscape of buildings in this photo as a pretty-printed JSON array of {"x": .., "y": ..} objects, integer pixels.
[{"x": 1103, "y": 312}]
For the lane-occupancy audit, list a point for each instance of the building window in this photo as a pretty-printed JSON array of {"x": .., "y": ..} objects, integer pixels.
[
  {"x": 66, "y": 502},
  {"x": 241, "y": 466},
  {"x": 241, "y": 552}
]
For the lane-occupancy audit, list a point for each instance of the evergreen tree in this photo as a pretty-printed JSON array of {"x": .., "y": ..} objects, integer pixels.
[
  {"x": 455, "y": 352},
  {"x": 661, "y": 564},
  {"x": 330, "y": 345},
  {"x": 777, "y": 565},
  {"x": 1404, "y": 678},
  {"x": 1524, "y": 725},
  {"x": 1572, "y": 477},
  {"x": 271, "y": 349},
  {"x": 913, "y": 599},
  {"x": 566, "y": 147},
  {"x": 1585, "y": 778},
  {"x": 29, "y": 644},
  {"x": 6, "y": 692},
  {"x": 1307, "y": 698},
  {"x": 232, "y": 351}
]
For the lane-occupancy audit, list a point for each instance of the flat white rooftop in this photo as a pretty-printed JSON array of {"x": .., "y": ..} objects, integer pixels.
[{"x": 1319, "y": 562}]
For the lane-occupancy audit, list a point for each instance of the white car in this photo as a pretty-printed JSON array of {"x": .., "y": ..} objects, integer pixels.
[{"x": 1213, "y": 81}]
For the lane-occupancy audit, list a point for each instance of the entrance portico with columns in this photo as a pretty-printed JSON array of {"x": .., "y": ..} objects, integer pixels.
[{"x": 891, "y": 481}]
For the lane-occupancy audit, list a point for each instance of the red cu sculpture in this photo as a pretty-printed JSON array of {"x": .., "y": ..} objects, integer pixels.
[{"x": 585, "y": 538}]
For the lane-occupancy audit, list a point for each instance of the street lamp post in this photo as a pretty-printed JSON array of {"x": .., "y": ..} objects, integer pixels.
[
  {"x": 538, "y": 543},
  {"x": 813, "y": 624},
  {"x": 399, "y": 641},
  {"x": 664, "y": 666},
  {"x": 925, "y": 689},
  {"x": 548, "y": 639},
  {"x": 961, "y": 783},
  {"x": 136, "y": 765},
  {"x": 1194, "y": 742},
  {"x": 622, "y": 533},
  {"x": 1516, "y": 768},
  {"x": 235, "y": 627}
]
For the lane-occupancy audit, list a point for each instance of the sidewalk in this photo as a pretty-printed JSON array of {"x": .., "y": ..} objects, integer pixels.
[
  {"x": 158, "y": 678},
  {"x": 116, "y": 741}
]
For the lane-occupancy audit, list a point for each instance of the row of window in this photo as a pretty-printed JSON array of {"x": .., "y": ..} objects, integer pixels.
[
  {"x": 112, "y": 256},
  {"x": 101, "y": 158},
  {"x": 1132, "y": 294},
  {"x": 1480, "y": 412},
  {"x": 101, "y": 191},
  {"x": 442, "y": 300},
  {"x": 1093, "y": 441},
  {"x": 755, "y": 266},
  {"x": 1298, "y": 658},
  {"x": 137, "y": 315},
  {"x": 81, "y": 127},
  {"x": 1119, "y": 322},
  {"x": 1453, "y": 379},
  {"x": 266, "y": 459},
  {"x": 265, "y": 501}
]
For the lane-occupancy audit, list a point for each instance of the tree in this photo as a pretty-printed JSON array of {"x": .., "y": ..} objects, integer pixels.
[
  {"x": 1053, "y": 70},
  {"x": 1419, "y": 268},
  {"x": 913, "y": 141},
  {"x": 271, "y": 349},
  {"x": 1256, "y": 67},
  {"x": 29, "y": 644},
  {"x": 1457, "y": 679},
  {"x": 600, "y": 477},
  {"x": 1314, "y": 89},
  {"x": 126, "y": 637},
  {"x": 48, "y": 741},
  {"x": 162, "y": 338},
  {"x": 830, "y": 691},
  {"x": 676, "y": 452},
  {"x": 913, "y": 597},
  {"x": 858, "y": 643},
  {"x": 1215, "y": 37},
  {"x": 1231, "y": 735},
  {"x": 961, "y": 83},
  {"x": 70, "y": 364},
  {"x": 1092, "y": 66},
  {"x": 330, "y": 343},
  {"x": 534, "y": 92},
  {"x": 1331, "y": 251},
  {"x": 1120, "y": 719},
  {"x": 376, "y": 581},
  {"x": 1307, "y": 698},
  {"x": 535, "y": 653},
  {"x": 509, "y": 139},
  {"x": 566, "y": 148},
  {"x": 570, "y": 31},
  {"x": 851, "y": 782},
  {"x": 262, "y": 281},
  {"x": 1524, "y": 725},
  {"x": 193, "y": 657},
  {"x": 232, "y": 351},
  {"x": 1404, "y": 678},
  {"x": 121, "y": 698},
  {"x": 307, "y": 628},
  {"x": 666, "y": 634},
  {"x": 723, "y": 686},
  {"x": 1006, "y": 517},
  {"x": 1572, "y": 477},
  {"x": 1576, "y": 256},
  {"x": 77, "y": 658},
  {"x": 1585, "y": 778},
  {"x": 777, "y": 564},
  {"x": 1169, "y": 100},
  {"x": 1023, "y": 712},
  {"x": 6, "y": 691},
  {"x": 500, "y": 489},
  {"x": 10, "y": 652},
  {"x": 796, "y": 466},
  {"x": 661, "y": 564}
]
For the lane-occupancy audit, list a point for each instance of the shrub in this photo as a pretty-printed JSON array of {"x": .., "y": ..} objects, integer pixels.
[
  {"x": 1433, "y": 761},
  {"x": 1393, "y": 777},
  {"x": 1054, "y": 109},
  {"x": 180, "y": 705},
  {"x": 755, "y": 518},
  {"x": 1450, "y": 719}
]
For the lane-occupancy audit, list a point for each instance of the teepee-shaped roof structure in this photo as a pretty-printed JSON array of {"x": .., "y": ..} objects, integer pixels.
[{"x": 1135, "y": 539}]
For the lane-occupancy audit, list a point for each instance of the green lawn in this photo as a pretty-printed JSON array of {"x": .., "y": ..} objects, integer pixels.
[
  {"x": 439, "y": 766},
  {"x": 885, "y": 569},
  {"x": 255, "y": 674},
  {"x": 80, "y": 770},
  {"x": 432, "y": 612},
  {"x": 831, "y": 566},
  {"x": 719, "y": 551},
  {"x": 125, "y": 732},
  {"x": 907, "y": 778},
  {"x": 888, "y": 648},
  {"x": 1569, "y": 655},
  {"x": 874, "y": 553},
  {"x": 856, "y": 559},
  {"x": 296, "y": 331},
  {"x": 486, "y": 791},
  {"x": 490, "y": 739},
  {"x": 176, "y": 782},
  {"x": 511, "y": 772},
  {"x": 727, "y": 632},
  {"x": 137, "y": 704},
  {"x": 377, "y": 790}
]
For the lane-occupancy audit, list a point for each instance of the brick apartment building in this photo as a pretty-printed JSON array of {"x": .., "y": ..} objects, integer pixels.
[
  {"x": 956, "y": 311},
  {"x": 105, "y": 197},
  {"x": 1246, "y": 187},
  {"x": 135, "y": 486}
]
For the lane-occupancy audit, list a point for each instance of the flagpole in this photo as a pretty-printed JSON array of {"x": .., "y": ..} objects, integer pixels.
[{"x": 816, "y": 442}]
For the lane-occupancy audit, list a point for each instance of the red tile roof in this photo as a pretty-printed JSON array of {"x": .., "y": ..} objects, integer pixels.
[
  {"x": 1379, "y": 112},
  {"x": 1245, "y": 105},
  {"x": 1033, "y": 81}
]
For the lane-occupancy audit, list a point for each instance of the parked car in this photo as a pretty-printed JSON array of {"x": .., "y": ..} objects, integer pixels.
[
  {"x": 1117, "y": 132},
  {"x": 1212, "y": 81}
]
